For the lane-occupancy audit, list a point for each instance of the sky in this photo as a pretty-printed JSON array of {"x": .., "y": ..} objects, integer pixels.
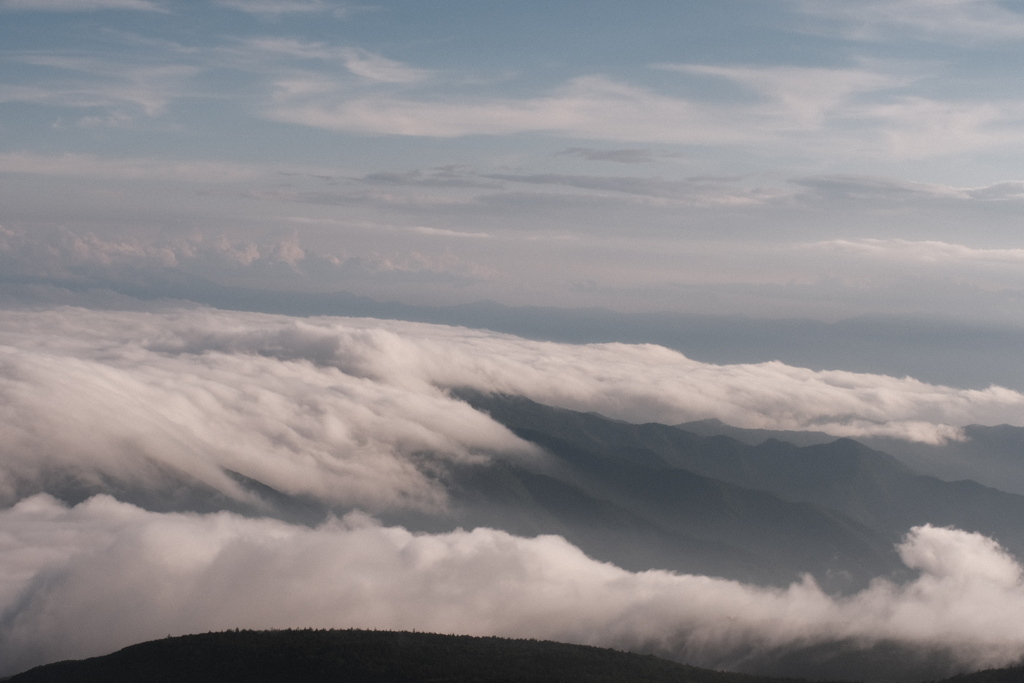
[{"x": 766, "y": 158}]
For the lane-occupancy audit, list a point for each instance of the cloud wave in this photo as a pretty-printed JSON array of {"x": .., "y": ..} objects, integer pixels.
[
  {"x": 356, "y": 412},
  {"x": 101, "y": 575}
]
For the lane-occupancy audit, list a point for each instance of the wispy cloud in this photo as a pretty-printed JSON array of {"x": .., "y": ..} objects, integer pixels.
[
  {"x": 851, "y": 112},
  {"x": 80, "y": 5},
  {"x": 703, "y": 192},
  {"x": 890, "y": 190},
  {"x": 974, "y": 20},
  {"x": 587, "y": 107},
  {"x": 90, "y": 82},
  {"x": 275, "y": 8},
  {"x": 928, "y": 251},
  {"x": 804, "y": 96},
  {"x": 622, "y": 156},
  {"x": 442, "y": 232},
  {"x": 91, "y": 166},
  {"x": 374, "y": 67}
]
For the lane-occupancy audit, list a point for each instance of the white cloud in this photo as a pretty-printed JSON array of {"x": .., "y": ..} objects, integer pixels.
[
  {"x": 381, "y": 69},
  {"x": 915, "y": 127},
  {"x": 804, "y": 96},
  {"x": 276, "y": 8},
  {"x": 115, "y": 574},
  {"x": 442, "y": 232},
  {"x": 80, "y": 5},
  {"x": 343, "y": 409},
  {"x": 296, "y": 426},
  {"x": 590, "y": 107},
  {"x": 363, "y": 63},
  {"x": 692, "y": 192},
  {"x": 860, "y": 113},
  {"x": 927, "y": 251}
]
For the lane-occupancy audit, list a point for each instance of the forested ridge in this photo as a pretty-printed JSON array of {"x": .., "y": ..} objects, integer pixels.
[
  {"x": 358, "y": 656},
  {"x": 362, "y": 656}
]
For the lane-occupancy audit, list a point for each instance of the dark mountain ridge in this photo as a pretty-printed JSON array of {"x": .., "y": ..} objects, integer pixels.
[
  {"x": 357, "y": 656},
  {"x": 361, "y": 656}
]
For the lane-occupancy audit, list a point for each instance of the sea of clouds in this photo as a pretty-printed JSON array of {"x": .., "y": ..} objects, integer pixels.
[
  {"x": 105, "y": 574},
  {"x": 357, "y": 413}
]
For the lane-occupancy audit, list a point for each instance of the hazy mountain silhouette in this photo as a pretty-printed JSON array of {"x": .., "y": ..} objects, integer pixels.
[
  {"x": 993, "y": 456},
  {"x": 869, "y": 486}
]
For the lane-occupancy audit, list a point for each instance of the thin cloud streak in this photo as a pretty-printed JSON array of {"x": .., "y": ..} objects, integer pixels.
[
  {"x": 79, "y": 5},
  {"x": 854, "y": 113},
  {"x": 276, "y": 8},
  {"x": 927, "y": 251},
  {"x": 95, "y": 167}
]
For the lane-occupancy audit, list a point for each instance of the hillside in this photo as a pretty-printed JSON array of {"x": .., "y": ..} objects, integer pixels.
[
  {"x": 357, "y": 656},
  {"x": 868, "y": 486}
]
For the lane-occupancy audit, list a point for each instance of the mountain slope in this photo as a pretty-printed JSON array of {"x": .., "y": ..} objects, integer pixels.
[
  {"x": 862, "y": 484},
  {"x": 356, "y": 656}
]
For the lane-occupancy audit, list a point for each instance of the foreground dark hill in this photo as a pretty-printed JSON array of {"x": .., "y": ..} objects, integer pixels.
[
  {"x": 356, "y": 656},
  {"x": 1013, "y": 674}
]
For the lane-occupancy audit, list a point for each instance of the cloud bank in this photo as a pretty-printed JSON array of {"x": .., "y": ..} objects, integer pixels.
[
  {"x": 104, "y": 574},
  {"x": 356, "y": 412}
]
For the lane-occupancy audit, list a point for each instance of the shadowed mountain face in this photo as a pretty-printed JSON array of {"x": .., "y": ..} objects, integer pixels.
[
  {"x": 831, "y": 509},
  {"x": 869, "y": 486},
  {"x": 993, "y": 456},
  {"x": 642, "y": 512}
]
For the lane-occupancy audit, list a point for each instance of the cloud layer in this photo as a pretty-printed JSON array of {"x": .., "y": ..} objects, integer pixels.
[
  {"x": 355, "y": 412},
  {"x": 87, "y": 580}
]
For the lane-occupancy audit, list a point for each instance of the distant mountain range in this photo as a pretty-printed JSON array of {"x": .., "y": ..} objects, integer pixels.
[
  {"x": 832, "y": 509},
  {"x": 993, "y": 456}
]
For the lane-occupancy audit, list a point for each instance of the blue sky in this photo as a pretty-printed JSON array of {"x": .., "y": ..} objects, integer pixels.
[{"x": 799, "y": 158}]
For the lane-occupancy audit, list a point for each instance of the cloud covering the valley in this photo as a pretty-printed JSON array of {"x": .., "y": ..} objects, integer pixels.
[
  {"x": 104, "y": 574},
  {"x": 356, "y": 412}
]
